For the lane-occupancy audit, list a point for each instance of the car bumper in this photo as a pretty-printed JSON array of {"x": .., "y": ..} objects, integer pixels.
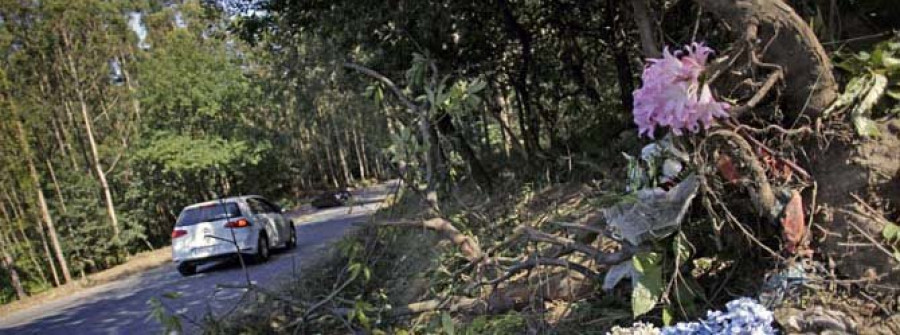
[{"x": 247, "y": 244}]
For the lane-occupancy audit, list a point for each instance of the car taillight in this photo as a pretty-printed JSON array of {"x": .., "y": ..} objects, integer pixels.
[
  {"x": 178, "y": 233},
  {"x": 238, "y": 224}
]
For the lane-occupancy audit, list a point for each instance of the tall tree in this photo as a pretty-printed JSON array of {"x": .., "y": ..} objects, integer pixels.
[{"x": 36, "y": 181}]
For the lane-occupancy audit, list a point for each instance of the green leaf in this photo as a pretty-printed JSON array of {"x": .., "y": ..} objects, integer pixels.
[
  {"x": 874, "y": 92},
  {"x": 354, "y": 269},
  {"x": 891, "y": 232},
  {"x": 865, "y": 127},
  {"x": 476, "y": 86},
  {"x": 477, "y": 325},
  {"x": 667, "y": 316},
  {"x": 891, "y": 63},
  {"x": 855, "y": 89},
  {"x": 379, "y": 94},
  {"x": 648, "y": 286},
  {"x": 681, "y": 248},
  {"x": 894, "y": 93},
  {"x": 863, "y": 56},
  {"x": 447, "y": 324}
]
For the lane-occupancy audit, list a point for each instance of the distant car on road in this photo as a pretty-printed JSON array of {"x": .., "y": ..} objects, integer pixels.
[
  {"x": 332, "y": 199},
  {"x": 208, "y": 231}
]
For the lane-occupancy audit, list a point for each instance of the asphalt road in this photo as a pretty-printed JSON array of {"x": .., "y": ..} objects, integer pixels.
[{"x": 121, "y": 307}]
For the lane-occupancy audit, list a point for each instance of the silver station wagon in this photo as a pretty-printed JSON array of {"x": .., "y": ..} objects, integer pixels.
[{"x": 223, "y": 228}]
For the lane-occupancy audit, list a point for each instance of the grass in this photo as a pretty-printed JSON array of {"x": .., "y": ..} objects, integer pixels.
[{"x": 135, "y": 264}]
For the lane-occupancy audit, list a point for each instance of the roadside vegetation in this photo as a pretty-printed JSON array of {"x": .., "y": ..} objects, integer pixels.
[
  {"x": 116, "y": 114},
  {"x": 567, "y": 166}
]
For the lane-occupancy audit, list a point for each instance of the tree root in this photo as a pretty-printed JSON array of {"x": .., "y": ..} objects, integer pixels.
[
  {"x": 791, "y": 45},
  {"x": 763, "y": 196}
]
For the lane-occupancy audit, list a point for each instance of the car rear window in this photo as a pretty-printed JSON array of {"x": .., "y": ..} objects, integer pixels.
[{"x": 195, "y": 215}]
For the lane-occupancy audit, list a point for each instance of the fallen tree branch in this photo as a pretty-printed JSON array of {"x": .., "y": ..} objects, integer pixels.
[
  {"x": 465, "y": 243},
  {"x": 451, "y": 304},
  {"x": 322, "y": 302},
  {"x": 543, "y": 261},
  {"x": 510, "y": 239},
  {"x": 592, "y": 229},
  {"x": 539, "y": 236}
]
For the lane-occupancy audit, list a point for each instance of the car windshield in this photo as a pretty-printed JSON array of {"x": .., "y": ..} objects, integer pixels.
[{"x": 195, "y": 215}]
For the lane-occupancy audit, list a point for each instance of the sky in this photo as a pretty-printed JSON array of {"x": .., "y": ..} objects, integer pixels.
[{"x": 136, "y": 23}]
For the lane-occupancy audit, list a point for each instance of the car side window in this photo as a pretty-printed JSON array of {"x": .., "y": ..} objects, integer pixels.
[
  {"x": 271, "y": 208},
  {"x": 256, "y": 206}
]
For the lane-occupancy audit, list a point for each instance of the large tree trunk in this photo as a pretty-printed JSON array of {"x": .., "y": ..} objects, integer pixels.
[
  {"x": 641, "y": 13},
  {"x": 357, "y": 146},
  {"x": 10, "y": 264},
  {"x": 618, "y": 46},
  {"x": 73, "y": 124},
  {"x": 342, "y": 153},
  {"x": 98, "y": 166},
  {"x": 500, "y": 110},
  {"x": 431, "y": 158},
  {"x": 42, "y": 202},
  {"x": 529, "y": 120},
  {"x": 59, "y": 196},
  {"x": 21, "y": 228}
]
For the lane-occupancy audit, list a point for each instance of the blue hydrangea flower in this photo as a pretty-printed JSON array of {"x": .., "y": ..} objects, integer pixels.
[{"x": 743, "y": 316}]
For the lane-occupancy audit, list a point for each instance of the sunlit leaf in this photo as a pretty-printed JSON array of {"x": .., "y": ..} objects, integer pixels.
[
  {"x": 648, "y": 286},
  {"x": 865, "y": 127},
  {"x": 891, "y": 232},
  {"x": 447, "y": 324}
]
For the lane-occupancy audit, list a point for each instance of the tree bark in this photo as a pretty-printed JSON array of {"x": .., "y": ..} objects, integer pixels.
[
  {"x": 21, "y": 228},
  {"x": 98, "y": 166},
  {"x": 430, "y": 158},
  {"x": 42, "y": 202},
  {"x": 10, "y": 264},
  {"x": 500, "y": 111},
  {"x": 649, "y": 45},
  {"x": 86, "y": 167},
  {"x": 528, "y": 120},
  {"x": 342, "y": 154},
  {"x": 359, "y": 155},
  {"x": 616, "y": 43},
  {"x": 59, "y": 196}
]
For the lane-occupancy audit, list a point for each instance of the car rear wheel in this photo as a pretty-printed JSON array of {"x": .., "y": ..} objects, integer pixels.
[
  {"x": 187, "y": 269},
  {"x": 292, "y": 241},
  {"x": 262, "y": 248}
]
